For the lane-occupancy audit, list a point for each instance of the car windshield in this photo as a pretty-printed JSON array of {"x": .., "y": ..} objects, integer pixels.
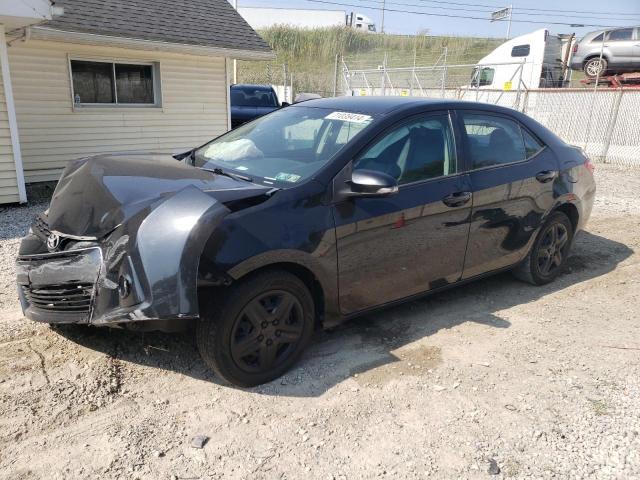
[
  {"x": 284, "y": 147},
  {"x": 253, "y": 97}
]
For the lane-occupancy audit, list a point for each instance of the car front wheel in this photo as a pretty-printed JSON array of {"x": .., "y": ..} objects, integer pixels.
[
  {"x": 549, "y": 252},
  {"x": 259, "y": 330}
]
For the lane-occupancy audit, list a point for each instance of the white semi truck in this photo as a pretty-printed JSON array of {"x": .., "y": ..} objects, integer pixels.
[
  {"x": 259, "y": 17},
  {"x": 536, "y": 60}
]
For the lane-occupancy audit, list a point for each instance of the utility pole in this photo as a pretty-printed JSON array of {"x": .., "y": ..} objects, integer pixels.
[
  {"x": 382, "y": 22},
  {"x": 509, "y": 24}
]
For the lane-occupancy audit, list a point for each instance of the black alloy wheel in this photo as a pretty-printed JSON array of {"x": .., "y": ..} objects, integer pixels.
[
  {"x": 549, "y": 252},
  {"x": 256, "y": 330}
]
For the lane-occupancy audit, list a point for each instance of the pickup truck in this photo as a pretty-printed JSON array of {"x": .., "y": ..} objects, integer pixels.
[{"x": 249, "y": 102}]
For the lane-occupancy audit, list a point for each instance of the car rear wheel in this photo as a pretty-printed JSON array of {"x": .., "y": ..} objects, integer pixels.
[
  {"x": 549, "y": 252},
  {"x": 259, "y": 330},
  {"x": 595, "y": 66}
]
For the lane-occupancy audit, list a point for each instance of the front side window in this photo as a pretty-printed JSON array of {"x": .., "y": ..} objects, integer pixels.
[
  {"x": 482, "y": 76},
  {"x": 417, "y": 150},
  {"x": 620, "y": 35},
  {"x": 284, "y": 147},
  {"x": 109, "y": 83},
  {"x": 493, "y": 140}
]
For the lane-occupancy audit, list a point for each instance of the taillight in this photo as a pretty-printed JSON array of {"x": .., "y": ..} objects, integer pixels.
[
  {"x": 575, "y": 48},
  {"x": 590, "y": 166}
]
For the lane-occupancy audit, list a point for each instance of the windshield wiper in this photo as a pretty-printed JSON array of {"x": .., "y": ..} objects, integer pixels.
[{"x": 235, "y": 176}]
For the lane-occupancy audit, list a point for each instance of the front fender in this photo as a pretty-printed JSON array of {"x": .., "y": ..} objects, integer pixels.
[
  {"x": 159, "y": 259},
  {"x": 321, "y": 264}
]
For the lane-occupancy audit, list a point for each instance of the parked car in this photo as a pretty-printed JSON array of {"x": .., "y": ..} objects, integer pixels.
[
  {"x": 303, "y": 218},
  {"x": 620, "y": 52},
  {"x": 252, "y": 101}
]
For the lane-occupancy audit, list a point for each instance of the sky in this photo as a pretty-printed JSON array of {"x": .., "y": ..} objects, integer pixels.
[{"x": 617, "y": 13}]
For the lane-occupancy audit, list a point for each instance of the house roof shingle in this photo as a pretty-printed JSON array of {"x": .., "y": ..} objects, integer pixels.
[{"x": 206, "y": 23}]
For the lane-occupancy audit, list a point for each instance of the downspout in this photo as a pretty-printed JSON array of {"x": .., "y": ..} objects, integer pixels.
[
  {"x": 11, "y": 114},
  {"x": 227, "y": 93}
]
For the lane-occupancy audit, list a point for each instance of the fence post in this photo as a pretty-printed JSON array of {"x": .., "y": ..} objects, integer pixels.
[
  {"x": 611, "y": 126},
  {"x": 284, "y": 80},
  {"x": 444, "y": 71},
  {"x": 525, "y": 101},
  {"x": 384, "y": 73},
  {"x": 335, "y": 76}
]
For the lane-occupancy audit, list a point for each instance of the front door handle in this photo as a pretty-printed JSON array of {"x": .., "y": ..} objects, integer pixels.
[
  {"x": 457, "y": 199},
  {"x": 546, "y": 176}
]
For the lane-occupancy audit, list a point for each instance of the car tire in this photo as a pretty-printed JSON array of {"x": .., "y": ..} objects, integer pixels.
[
  {"x": 257, "y": 330},
  {"x": 549, "y": 252},
  {"x": 595, "y": 66}
]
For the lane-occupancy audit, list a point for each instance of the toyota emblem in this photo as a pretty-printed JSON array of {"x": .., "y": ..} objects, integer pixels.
[{"x": 53, "y": 242}]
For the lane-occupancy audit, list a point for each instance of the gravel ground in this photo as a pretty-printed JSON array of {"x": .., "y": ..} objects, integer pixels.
[{"x": 496, "y": 379}]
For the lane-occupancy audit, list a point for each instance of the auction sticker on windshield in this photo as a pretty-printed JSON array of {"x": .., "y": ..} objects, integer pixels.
[
  {"x": 287, "y": 177},
  {"x": 349, "y": 117}
]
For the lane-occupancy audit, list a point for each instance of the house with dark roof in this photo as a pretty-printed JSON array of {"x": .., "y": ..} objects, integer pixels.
[{"x": 84, "y": 77}]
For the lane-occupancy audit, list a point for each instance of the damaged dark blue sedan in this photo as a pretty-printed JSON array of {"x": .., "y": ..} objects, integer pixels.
[{"x": 300, "y": 219}]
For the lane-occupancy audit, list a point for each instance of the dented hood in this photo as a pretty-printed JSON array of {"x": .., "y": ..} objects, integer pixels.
[{"x": 97, "y": 194}]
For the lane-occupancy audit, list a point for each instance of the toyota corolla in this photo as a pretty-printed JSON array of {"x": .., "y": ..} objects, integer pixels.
[{"x": 300, "y": 219}]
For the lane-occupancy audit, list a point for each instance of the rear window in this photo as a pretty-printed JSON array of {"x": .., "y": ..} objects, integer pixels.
[
  {"x": 253, "y": 97},
  {"x": 521, "y": 50},
  {"x": 493, "y": 140},
  {"x": 620, "y": 35}
]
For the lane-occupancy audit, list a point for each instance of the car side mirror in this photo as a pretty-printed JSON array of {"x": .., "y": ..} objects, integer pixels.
[
  {"x": 371, "y": 183},
  {"x": 284, "y": 104}
]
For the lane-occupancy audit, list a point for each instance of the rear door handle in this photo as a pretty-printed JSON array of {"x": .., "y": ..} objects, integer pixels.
[
  {"x": 546, "y": 176},
  {"x": 457, "y": 199}
]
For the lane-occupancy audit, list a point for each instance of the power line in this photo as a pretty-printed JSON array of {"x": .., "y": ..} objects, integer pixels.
[
  {"x": 637, "y": 13},
  {"x": 515, "y": 10},
  {"x": 328, "y": 2}
]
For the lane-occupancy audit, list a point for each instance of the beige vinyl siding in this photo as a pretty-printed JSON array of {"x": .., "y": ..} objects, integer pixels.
[
  {"x": 8, "y": 178},
  {"x": 52, "y": 132}
]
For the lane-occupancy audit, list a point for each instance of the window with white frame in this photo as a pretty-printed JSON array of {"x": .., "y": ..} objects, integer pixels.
[{"x": 115, "y": 83}]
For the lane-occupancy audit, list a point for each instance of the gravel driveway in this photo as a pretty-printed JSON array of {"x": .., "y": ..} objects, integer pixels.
[{"x": 495, "y": 379}]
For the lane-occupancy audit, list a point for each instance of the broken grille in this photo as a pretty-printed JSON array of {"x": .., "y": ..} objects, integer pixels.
[{"x": 61, "y": 298}]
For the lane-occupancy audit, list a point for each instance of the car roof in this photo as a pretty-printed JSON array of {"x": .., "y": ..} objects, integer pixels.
[
  {"x": 595, "y": 33},
  {"x": 384, "y": 105},
  {"x": 252, "y": 86}
]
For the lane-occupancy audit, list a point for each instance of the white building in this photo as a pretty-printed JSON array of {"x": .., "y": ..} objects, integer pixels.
[
  {"x": 265, "y": 17},
  {"x": 111, "y": 76}
]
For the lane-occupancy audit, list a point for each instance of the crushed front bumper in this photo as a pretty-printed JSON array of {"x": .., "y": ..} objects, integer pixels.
[
  {"x": 144, "y": 270},
  {"x": 59, "y": 287}
]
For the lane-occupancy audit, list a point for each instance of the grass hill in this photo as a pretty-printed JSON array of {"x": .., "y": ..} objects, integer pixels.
[{"x": 310, "y": 54}]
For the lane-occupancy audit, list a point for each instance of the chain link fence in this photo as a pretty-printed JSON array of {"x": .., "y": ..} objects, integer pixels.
[
  {"x": 604, "y": 122},
  {"x": 601, "y": 120}
]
